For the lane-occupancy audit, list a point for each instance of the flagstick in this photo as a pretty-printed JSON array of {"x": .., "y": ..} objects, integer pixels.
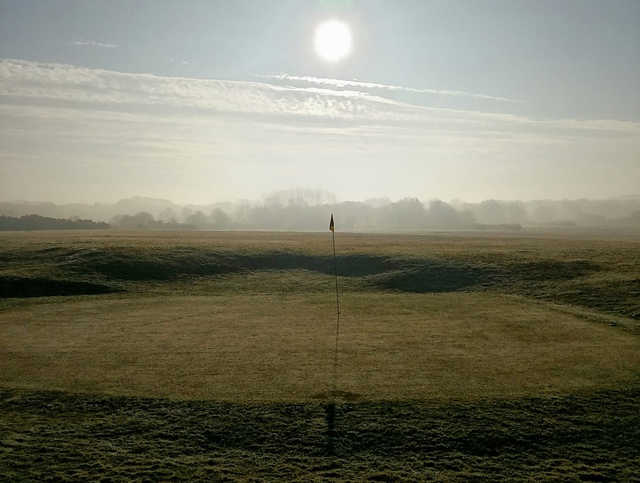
[
  {"x": 335, "y": 356},
  {"x": 331, "y": 406}
]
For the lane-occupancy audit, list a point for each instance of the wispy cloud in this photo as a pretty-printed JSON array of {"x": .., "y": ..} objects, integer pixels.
[
  {"x": 352, "y": 84},
  {"x": 69, "y": 129},
  {"x": 48, "y": 83},
  {"x": 71, "y": 84},
  {"x": 94, "y": 43}
]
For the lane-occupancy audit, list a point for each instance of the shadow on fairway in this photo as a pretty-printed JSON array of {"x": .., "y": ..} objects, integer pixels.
[{"x": 20, "y": 287}]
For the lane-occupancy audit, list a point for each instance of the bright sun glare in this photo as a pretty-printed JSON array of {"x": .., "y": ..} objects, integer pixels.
[{"x": 333, "y": 40}]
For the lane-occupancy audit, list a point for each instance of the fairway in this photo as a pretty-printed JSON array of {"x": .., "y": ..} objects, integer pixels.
[
  {"x": 169, "y": 355},
  {"x": 280, "y": 348}
]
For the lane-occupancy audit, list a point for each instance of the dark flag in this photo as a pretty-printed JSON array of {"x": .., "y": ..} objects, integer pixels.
[{"x": 331, "y": 223}]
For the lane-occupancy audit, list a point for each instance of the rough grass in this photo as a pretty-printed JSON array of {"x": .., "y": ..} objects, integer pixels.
[
  {"x": 597, "y": 274},
  {"x": 588, "y": 436}
]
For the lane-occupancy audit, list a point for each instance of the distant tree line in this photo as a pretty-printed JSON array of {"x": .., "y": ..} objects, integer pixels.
[
  {"x": 303, "y": 209},
  {"x": 407, "y": 214},
  {"x": 584, "y": 212},
  {"x": 36, "y": 222},
  {"x": 217, "y": 219}
]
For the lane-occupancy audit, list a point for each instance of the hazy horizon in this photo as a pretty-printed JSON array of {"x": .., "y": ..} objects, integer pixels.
[
  {"x": 308, "y": 210},
  {"x": 205, "y": 102},
  {"x": 264, "y": 197}
]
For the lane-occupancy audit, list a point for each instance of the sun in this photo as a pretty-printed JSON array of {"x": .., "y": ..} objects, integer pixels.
[{"x": 332, "y": 40}]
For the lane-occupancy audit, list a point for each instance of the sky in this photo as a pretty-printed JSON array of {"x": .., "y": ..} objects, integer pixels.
[{"x": 205, "y": 101}]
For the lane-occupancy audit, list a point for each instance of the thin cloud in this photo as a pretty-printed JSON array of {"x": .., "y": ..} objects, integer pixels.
[
  {"x": 340, "y": 84},
  {"x": 49, "y": 84},
  {"x": 69, "y": 129},
  {"x": 66, "y": 83},
  {"x": 93, "y": 43}
]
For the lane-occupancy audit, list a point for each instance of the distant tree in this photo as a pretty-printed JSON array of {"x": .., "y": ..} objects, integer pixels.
[
  {"x": 139, "y": 221},
  {"x": 197, "y": 219},
  {"x": 36, "y": 222},
  {"x": 219, "y": 219},
  {"x": 168, "y": 215},
  {"x": 441, "y": 214},
  {"x": 406, "y": 213}
]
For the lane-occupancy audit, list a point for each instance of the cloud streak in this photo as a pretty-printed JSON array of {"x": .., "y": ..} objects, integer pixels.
[
  {"x": 33, "y": 80},
  {"x": 342, "y": 84},
  {"x": 93, "y": 43},
  {"x": 25, "y": 82}
]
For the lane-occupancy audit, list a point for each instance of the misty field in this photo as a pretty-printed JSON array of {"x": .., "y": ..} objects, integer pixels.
[{"x": 167, "y": 355}]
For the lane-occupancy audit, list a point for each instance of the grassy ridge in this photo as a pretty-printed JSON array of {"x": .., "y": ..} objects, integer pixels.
[{"x": 601, "y": 275}]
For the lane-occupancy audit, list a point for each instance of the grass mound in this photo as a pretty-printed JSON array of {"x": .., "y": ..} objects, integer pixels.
[
  {"x": 435, "y": 276},
  {"x": 397, "y": 273},
  {"x": 616, "y": 296},
  {"x": 552, "y": 269},
  {"x": 170, "y": 266}
]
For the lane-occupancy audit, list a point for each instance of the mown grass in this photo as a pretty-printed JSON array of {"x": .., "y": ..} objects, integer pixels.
[
  {"x": 461, "y": 357},
  {"x": 393, "y": 346}
]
